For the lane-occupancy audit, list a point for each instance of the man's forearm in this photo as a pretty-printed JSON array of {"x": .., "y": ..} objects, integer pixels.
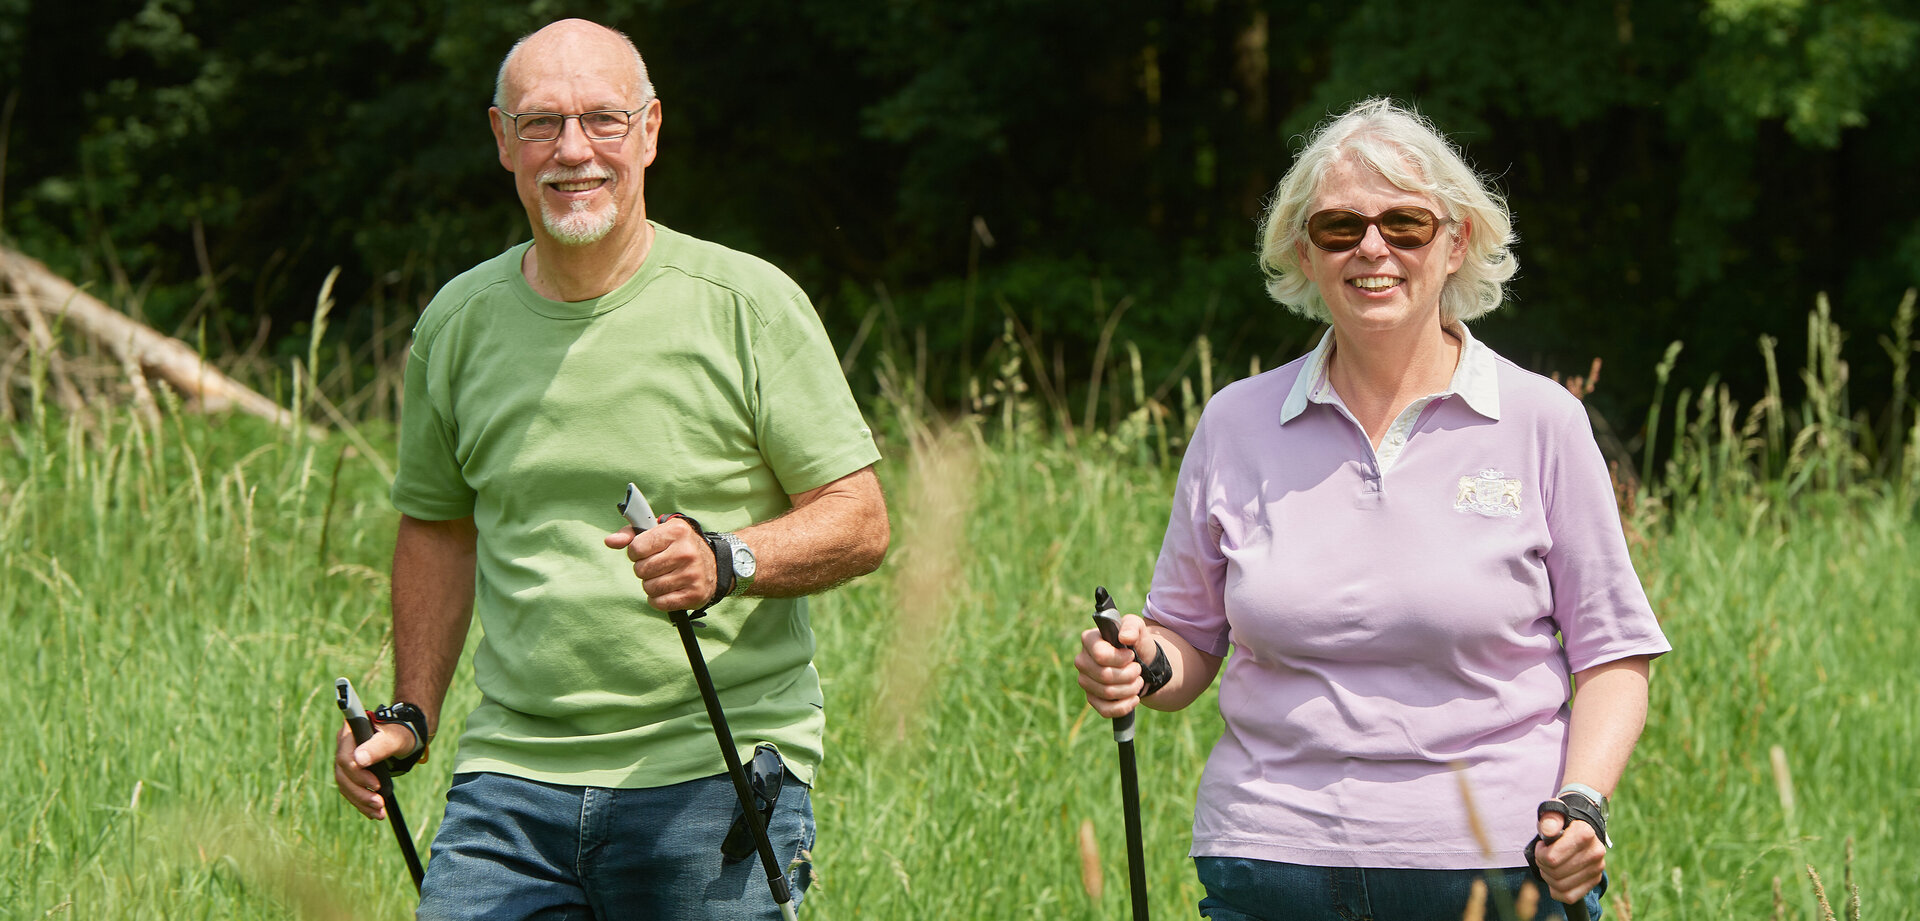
[
  {"x": 432, "y": 607},
  {"x": 834, "y": 533}
]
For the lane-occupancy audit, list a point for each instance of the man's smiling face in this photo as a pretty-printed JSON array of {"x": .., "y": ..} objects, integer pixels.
[{"x": 576, "y": 189}]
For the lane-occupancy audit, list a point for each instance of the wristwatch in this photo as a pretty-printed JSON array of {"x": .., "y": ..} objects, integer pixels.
[
  {"x": 741, "y": 556},
  {"x": 733, "y": 565}
]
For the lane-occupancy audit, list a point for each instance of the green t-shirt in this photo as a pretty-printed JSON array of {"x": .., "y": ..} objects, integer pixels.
[{"x": 708, "y": 380}]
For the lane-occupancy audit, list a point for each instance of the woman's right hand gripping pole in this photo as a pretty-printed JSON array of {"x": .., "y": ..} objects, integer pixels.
[{"x": 1112, "y": 677}]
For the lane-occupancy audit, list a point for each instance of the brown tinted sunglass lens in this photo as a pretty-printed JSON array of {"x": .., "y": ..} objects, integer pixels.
[
  {"x": 1336, "y": 231},
  {"x": 1407, "y": 228}
]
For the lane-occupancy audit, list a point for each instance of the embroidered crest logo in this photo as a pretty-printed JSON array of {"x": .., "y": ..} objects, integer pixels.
[{"x": 1488, "y": 493}]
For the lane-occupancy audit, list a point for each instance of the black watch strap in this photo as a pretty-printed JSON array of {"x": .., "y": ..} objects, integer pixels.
[
  {"x": 724, "y": 579},
  {"x": 415, "y": 720}
]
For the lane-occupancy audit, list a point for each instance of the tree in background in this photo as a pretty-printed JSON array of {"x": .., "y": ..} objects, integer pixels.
[{"x": 1693, "y": 171}]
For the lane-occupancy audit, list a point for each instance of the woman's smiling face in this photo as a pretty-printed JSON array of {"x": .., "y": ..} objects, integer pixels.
[{"x": 1375, "y": 286}]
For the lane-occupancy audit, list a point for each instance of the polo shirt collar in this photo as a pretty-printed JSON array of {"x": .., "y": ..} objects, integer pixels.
[{"x": 1475, "y": 379}]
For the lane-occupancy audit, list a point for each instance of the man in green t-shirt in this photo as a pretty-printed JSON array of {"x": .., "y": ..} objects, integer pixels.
[{"x": 611, "y": 349}]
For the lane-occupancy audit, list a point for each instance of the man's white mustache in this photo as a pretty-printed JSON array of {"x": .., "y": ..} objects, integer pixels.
[{"x": 574, "y": 174}]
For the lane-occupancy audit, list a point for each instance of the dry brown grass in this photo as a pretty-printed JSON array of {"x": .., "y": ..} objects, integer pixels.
[{"x": 928, "y": 585}]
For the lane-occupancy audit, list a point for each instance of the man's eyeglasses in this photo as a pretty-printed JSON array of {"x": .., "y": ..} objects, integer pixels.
[
  {"x": 600, "y": 124},
  {"x": 1408, "y": 227}
]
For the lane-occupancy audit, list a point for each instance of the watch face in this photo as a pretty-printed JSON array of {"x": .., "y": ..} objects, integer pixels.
[{"x": 742, "y": 561}]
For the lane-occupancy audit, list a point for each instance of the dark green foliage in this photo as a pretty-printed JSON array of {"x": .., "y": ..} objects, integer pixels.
[{"x": 1694, "y": 171}]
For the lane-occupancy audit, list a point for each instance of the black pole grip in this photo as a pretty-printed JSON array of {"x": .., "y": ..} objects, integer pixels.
[{"x": 1109, "y": 627}]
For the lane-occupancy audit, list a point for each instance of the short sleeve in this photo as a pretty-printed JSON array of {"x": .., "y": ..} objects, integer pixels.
[
  {"x": 1189, "y": 578},
  {"x": 1598, "y": 601},
  {"x": 809, "y": 429},
  {"x": 428, "y": 483}
]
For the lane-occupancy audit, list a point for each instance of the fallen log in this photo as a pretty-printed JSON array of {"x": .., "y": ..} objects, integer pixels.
[{"x": 44, "y": 295}]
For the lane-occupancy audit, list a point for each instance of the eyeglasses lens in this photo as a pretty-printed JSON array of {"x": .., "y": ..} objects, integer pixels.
[
  {"x": 540, "y": 127},
  {"x": 601, "y": 126},
  {"x": 604, "y": 125},
  {"x": 1339, "y": 230}
]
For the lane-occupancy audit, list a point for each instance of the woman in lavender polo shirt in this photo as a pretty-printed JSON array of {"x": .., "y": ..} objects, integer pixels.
[{"x": 1411, "y": 546}]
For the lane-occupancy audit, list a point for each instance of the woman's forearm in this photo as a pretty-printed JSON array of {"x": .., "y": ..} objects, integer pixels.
[
  {"x": 1193, "y": 670},
  {"x": 1609, "y": 710}
]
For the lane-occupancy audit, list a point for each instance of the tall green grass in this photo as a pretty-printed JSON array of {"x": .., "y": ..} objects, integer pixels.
[
  {"x": 176, "y": 597},
  {"x": 169, "y": 619}
]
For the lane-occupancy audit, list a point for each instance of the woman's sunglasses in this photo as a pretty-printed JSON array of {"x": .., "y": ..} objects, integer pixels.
[{"x": 1338, "y": 230}]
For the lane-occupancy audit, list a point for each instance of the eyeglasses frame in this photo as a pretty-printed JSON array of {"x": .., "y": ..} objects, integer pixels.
[{"x": 629, "y": 113}]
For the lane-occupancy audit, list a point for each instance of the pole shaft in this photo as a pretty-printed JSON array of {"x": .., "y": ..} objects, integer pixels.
[
  {"x": 400, "y": 833},
  {"x": 1136, "y": 856},
  {"x": 776, "y": 880}
]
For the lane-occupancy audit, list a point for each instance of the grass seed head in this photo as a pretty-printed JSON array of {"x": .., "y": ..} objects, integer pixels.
[
  {"x": 1091, "y": 879},
  {"x": 1476, "y": 902},
  {"x": 1527, "y": 901}
]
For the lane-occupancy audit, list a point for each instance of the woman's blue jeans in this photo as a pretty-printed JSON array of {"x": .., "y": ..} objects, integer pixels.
[
  {"x": 1257, "y": 890},
  {"x": 512, "y": 848}
]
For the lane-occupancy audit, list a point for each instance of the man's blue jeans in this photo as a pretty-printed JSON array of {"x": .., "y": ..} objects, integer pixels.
[
  {"x": 512, "y": 848},
  {"x": 1257, "y": 890}
]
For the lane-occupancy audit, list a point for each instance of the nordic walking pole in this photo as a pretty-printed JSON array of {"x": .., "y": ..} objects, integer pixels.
[
  {"x": 362, "y": 731},
  {"x": 640, "y": 515},
  {"x": 1109, "y": 626}
]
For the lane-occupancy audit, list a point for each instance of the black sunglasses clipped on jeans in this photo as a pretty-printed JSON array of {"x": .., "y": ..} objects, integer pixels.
[
  {"x": 1407, "y": 227},
  {"x": 765, "y": 774}
]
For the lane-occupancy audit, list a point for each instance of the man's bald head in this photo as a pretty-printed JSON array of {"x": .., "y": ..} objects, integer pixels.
[{"x": 561, "y": 38}]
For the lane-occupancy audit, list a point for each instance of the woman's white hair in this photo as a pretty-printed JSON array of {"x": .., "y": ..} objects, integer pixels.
[{"x": 1411, "y": 153}]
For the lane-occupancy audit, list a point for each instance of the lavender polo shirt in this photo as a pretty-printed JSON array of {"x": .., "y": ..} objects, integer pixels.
[{"x": 1392, "y": 615}]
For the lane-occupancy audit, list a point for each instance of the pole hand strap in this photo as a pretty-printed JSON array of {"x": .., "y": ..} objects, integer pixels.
[
  {"x": 415, "y": 720},
  {"x": 1158, "y": 674},
  {"x": 1579, "y": 806},
  {"x": 1574, "y": 807}
]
